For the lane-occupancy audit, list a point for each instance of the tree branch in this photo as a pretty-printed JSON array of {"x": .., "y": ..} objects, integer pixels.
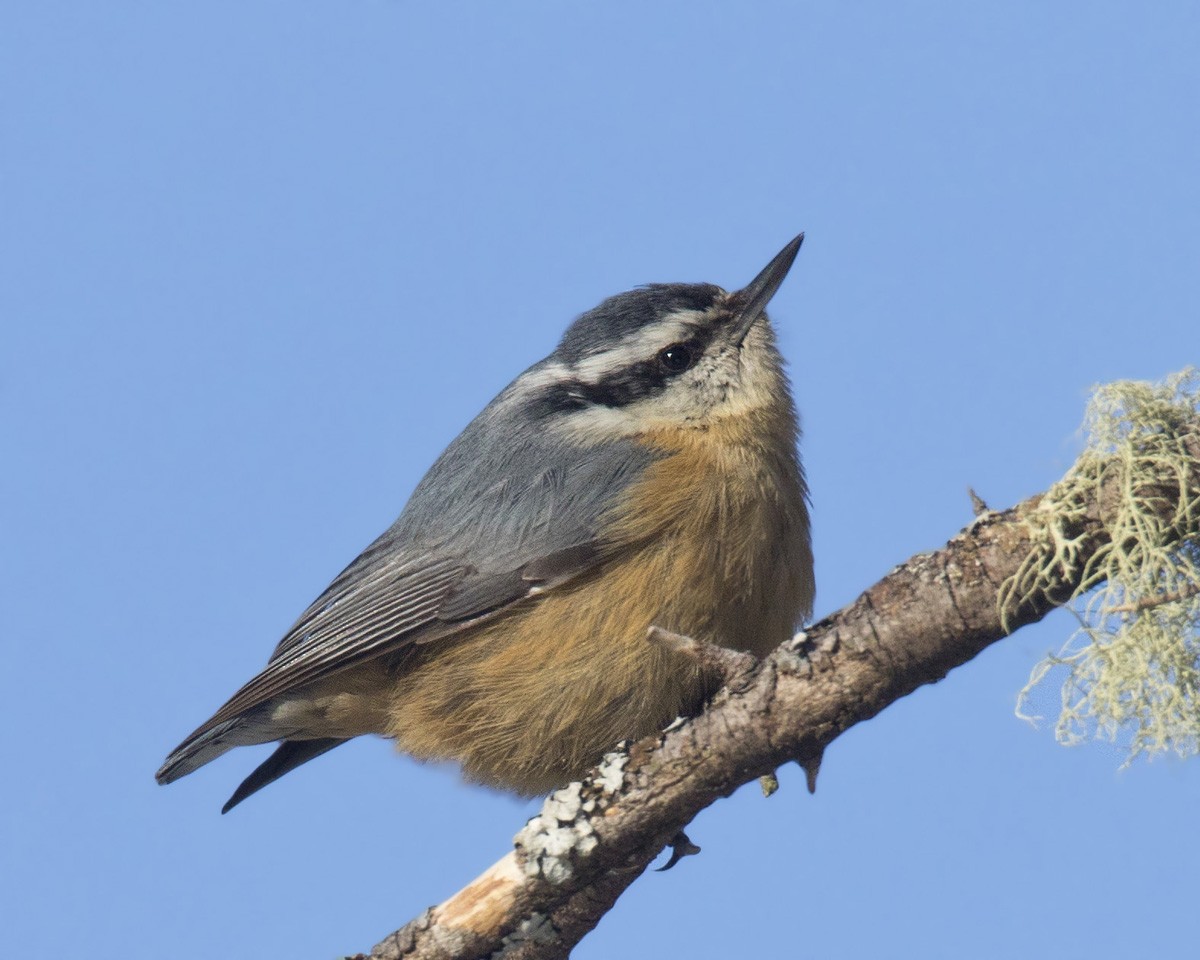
[{"x": 592, "y": 839}]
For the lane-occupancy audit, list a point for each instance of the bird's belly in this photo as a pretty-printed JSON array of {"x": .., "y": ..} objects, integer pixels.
[{"x": 533, "y": 699}]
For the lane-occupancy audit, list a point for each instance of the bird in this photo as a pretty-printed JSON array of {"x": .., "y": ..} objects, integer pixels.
[{"x": 644, "y": 474}]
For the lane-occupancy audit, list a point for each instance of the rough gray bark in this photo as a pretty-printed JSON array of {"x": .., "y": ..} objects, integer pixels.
[{"x": 591, "y": 840}]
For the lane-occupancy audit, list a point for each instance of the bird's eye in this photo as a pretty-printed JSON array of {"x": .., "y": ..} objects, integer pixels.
[{"x": 676, "y": 358}]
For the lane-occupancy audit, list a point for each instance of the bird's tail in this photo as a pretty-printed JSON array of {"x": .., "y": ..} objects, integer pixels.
[{"x": 208, "y": 743}]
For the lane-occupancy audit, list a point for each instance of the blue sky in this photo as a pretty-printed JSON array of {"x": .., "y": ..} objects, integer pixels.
[{"x": 261, "y": 261}]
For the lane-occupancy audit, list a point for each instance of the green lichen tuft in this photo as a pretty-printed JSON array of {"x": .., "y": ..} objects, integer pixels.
[{"x": 1131, "y": 670}]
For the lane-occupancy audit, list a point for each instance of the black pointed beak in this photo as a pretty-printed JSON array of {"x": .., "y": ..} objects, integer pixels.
[{"x": 750, "y": 302}]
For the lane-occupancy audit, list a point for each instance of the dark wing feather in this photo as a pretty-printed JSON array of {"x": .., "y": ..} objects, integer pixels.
[
  {"x": 346, "y": 626},
  {"x": 481, "y": 594},
  {"x": 382, "y": 606},
  {"x": 289, "y": 755}
]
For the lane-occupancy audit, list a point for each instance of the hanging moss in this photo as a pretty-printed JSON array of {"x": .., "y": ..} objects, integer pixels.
[{"x": 1131, "y": 670}]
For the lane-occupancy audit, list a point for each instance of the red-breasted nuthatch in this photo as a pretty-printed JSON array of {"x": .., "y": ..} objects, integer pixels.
[{"x": 644, "y": 474}]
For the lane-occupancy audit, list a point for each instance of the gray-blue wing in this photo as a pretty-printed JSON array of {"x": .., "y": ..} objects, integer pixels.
[{"x": 496, "y": 516}]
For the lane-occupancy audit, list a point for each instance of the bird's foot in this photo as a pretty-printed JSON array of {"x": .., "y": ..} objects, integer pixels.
[{"x": 681, "y": 847}]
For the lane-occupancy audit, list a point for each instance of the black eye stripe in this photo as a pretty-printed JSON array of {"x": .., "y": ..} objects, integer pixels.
[{"x": 636, "y": 381}]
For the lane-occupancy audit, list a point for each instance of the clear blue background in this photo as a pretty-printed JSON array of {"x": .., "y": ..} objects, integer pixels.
[{"x": 262, "y": 260}]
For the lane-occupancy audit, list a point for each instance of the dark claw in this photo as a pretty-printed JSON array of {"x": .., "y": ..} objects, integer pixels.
[
  {"x": 681, "y": 847},
  {"x": 812, "y": 766}
]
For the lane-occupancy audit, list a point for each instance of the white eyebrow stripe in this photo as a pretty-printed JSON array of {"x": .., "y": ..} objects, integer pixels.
[
  {"x": 642, "y": 345},
  {"x": 551, "y": 375}
]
